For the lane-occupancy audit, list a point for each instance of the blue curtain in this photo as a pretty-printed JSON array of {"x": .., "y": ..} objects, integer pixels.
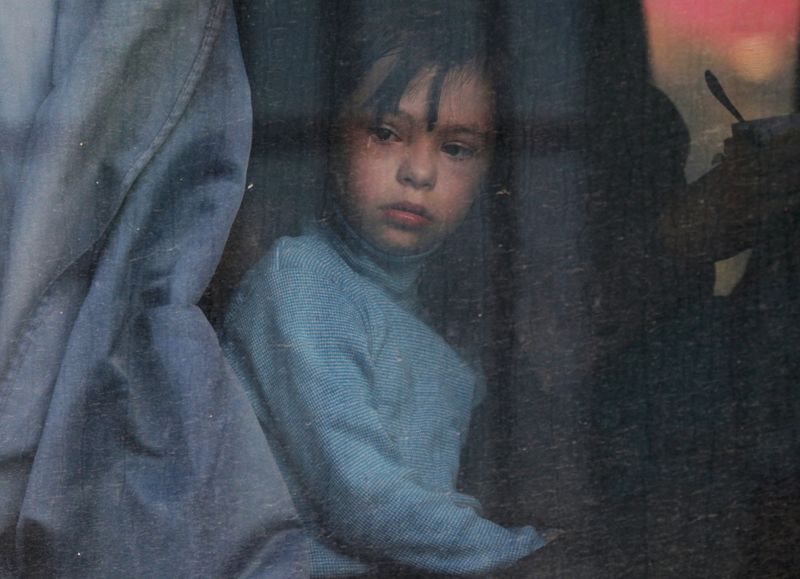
[{"x": 126, "y": 445}]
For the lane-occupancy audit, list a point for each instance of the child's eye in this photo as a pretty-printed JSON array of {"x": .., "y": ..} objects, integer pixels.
[
  {"x": 383, "y": 134},
  {"x": 458, "y": 151}
]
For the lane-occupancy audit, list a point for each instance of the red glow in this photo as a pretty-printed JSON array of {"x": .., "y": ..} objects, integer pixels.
[{"x": 725, "y": 21}]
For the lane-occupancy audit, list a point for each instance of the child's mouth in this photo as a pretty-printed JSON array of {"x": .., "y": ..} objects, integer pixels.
[{"x": 407, "y": 215}]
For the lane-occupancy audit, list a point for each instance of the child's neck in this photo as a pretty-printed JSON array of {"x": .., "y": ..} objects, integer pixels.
[{"x": 396, "y": 273}]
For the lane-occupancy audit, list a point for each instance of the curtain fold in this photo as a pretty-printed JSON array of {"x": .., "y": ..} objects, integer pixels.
[{"x": 126, "y": 445}]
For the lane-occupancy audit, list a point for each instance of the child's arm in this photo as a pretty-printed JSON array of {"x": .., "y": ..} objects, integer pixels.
[{"x": 306, "y": 345}]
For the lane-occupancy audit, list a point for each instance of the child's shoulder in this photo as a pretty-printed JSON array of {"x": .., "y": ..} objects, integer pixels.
[
  {"x": 307, "y": 253},
  {"x": 299, "y": 275},
  {"x": 304, "y": 260}
]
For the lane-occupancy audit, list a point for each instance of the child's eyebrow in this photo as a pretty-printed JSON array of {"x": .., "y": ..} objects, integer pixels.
[
  {"x": 481, "y": 134},
  {"x": 476, "y": 130},
  {"x": 470, "y": 129}
]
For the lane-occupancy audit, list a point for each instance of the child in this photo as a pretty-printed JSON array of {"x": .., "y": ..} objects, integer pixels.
[{"x": 365, "y": 406}]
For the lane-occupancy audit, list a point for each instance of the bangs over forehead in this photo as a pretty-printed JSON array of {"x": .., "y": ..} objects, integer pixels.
[
  {"x": 388, "y": 56},
  {"x": 379, "y": 99}
]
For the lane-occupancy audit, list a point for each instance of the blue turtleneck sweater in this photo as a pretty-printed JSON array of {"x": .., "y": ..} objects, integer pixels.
[{"x": 365, "y": 406}]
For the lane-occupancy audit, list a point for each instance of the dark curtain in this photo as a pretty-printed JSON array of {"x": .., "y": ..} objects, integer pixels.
[{"x": 596, "y": 150}]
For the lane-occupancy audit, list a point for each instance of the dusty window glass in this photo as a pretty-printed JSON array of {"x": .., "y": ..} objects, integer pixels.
[{"x": 605, "y": 320}]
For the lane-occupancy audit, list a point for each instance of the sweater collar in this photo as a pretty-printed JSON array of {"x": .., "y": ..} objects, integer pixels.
[{"x": 396, "y": 273}]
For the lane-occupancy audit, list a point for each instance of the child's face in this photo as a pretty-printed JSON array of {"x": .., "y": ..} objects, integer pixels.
[{"x": 407, "y": 185}]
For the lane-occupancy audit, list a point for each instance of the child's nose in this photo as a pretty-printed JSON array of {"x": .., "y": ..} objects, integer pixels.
[{"x": 418, "y": 166}]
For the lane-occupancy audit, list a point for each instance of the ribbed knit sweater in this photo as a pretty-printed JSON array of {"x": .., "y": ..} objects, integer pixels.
[{"x": 365, "y": 407}]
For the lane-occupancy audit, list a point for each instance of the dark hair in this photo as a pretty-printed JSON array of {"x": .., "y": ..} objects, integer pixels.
[{"x": 414, "y": 36}]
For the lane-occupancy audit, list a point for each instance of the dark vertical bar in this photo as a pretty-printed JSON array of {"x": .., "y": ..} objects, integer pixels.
[
  {"x": 285, "y": 44},
  {"x": 542, "y": 280}
]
